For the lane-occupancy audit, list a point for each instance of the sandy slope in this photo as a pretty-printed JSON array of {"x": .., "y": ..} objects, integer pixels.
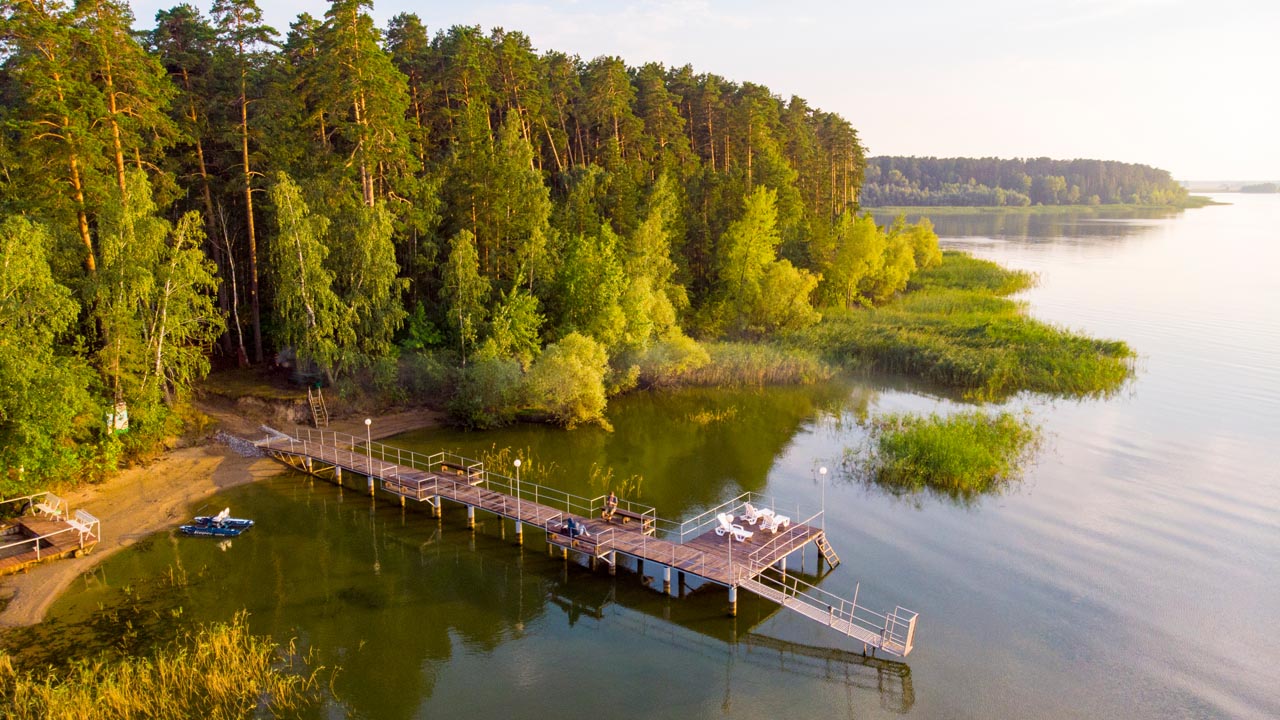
[{"x": 163, "y": 494}]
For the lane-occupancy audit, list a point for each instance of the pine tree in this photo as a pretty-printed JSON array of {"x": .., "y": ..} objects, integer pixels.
[
  {"x": 242, "y": 36},
  {"x": 465, "y": 290}
]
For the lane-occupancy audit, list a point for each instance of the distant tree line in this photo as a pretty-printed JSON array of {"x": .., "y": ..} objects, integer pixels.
[
  {"x": 1261, "y": 188},
  {"x": 343, "y": 194},
  {"x": 994, "y": 182}
]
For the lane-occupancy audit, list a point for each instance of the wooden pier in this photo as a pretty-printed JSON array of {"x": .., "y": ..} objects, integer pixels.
[
  {"x": 700, "y": 546},
  {"x": 44, "y": 530}
]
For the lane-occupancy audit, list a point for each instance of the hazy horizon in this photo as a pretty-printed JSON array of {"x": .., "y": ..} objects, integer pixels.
[{"x": 1166, "y": 83}]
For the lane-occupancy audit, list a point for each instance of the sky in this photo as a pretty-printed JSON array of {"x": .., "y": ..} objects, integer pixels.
[{"x": 1186, "y": 86}]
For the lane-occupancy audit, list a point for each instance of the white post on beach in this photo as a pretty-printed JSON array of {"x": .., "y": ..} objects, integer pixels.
[
  {"x": 368, "y": 448},
  {"x": 519, "y": 526}
]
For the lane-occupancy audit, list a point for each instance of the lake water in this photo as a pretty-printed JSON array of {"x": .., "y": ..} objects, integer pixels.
[{"x": 1134, "y": 571}]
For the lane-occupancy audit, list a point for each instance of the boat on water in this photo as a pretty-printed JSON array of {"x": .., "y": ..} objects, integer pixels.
[{"x": 220, "y": 525}]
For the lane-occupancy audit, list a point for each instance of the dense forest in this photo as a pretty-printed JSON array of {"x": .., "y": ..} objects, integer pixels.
[
  {"x": 993, "y": 182},
  {"x": 451, "y": 213}
]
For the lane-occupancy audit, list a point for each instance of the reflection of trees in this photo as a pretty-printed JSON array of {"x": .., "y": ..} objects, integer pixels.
[
  {"x": 1083, "y": 223},
  {"x": 692, "y": 447}
]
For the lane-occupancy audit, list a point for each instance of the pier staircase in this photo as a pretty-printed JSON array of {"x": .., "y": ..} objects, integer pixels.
[
  {"x": 828, "y": 552},
  {"x": 319, "y": 413},
  {"x": 892, "y": 633}
]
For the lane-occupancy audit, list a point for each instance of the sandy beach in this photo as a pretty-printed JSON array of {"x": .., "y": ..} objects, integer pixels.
[{"x": 163, "y": 494}]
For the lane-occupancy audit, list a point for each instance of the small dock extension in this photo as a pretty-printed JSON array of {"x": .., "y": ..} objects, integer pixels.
[
  {"x": 44, "y": 530},
  {"x": 893, "y": 633},
  {"x": 319, "y": 412}
]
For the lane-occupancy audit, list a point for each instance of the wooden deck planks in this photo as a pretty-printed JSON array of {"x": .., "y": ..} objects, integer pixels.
[{"x": 58, "y": 539}]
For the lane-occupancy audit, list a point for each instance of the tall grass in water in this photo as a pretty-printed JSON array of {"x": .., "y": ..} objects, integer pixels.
[
  {"x": 745, "y": 364},
  {"x": 217, "y": 672},
  {"x": 955, "y": 328},
  {"x": 963, "y": 455}
]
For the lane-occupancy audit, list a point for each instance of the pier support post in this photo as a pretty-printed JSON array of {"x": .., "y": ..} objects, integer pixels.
[
  {"x": 680, "y": 579},
  {"x": 371, "y": 486},
  {"x": 733, "y": 601},
  {"x": 337, "y": 474},
  {"x": 401, "y": 501},
  {"x": 782, "y": 564},
  {"x": 666, "y": 579},
  {"x": 640, "y": 568},
  {"x": 613, "y": 566},
  {"x": 519, "y": 533},
  {"x": 471, "y": 516},
  {"x": 592, "y": 563}
]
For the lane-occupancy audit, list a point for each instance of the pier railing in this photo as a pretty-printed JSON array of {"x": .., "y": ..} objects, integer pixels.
[{"x": 351, "y": 447}]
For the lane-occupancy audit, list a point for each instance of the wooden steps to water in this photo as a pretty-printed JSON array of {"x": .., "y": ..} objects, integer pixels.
[{"x": 319, "y": 411}]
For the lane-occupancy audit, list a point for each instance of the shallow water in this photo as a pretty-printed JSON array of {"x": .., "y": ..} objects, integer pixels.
[{"x": 1133, "y": 572}]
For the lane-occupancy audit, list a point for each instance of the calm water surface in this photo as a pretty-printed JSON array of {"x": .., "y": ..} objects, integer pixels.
[{"x": 1134, "y": 572}]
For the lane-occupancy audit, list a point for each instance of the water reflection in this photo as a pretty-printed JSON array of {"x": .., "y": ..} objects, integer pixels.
[
  {"x": 399, "y": 601},
  {"x": 1055, "y": 226},
  {"x": 694, "y": 449}
]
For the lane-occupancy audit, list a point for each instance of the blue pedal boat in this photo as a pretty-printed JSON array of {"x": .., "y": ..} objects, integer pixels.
[{"x": 220, "y": 525}]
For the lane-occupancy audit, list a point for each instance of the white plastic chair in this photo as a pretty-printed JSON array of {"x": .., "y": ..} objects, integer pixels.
[
  {"x": 773, "y": 522},
  {"x": 751, "y": 514},
  {"x": 727, "y": 526}
]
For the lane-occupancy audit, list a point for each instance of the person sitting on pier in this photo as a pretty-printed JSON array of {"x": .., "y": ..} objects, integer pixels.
[
  {"x": 610, "y": 506},
  {"x": 575, "y": 530}
]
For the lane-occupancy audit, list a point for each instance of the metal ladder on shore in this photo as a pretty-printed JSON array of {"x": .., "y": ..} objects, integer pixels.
[{"x": 319, "y": 413}]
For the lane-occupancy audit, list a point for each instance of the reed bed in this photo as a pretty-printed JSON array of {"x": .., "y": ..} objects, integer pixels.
[
  {"x": 218, "y": 672},
  {"x": 962, "y": 455},
  {"x": 956, "y": 328}
]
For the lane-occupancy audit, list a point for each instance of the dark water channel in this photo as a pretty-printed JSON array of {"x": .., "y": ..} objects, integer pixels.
[{"x": 1133, "y": 572}]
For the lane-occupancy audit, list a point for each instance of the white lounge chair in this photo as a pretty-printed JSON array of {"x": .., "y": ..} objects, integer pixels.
[
  {"x": 773, "y": 522},
  {"x": 727, "y": 526},
  {"x": 751, "y": 514}
]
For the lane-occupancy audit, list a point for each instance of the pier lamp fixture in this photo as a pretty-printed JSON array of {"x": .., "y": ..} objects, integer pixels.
[
  {"x": 822, "y": 471},
  {"x": 517, "y": 464},
  {"x": 368, "y": 440}
]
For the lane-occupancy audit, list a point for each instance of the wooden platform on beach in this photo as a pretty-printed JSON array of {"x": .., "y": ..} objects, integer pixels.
[{"x": 32, "y": 539}]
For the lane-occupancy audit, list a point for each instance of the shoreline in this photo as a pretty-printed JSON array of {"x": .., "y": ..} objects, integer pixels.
[{"x": 140, "y": 501}]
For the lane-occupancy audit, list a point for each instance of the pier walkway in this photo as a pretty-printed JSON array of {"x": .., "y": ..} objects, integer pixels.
[{"x": 694, "y": 547}]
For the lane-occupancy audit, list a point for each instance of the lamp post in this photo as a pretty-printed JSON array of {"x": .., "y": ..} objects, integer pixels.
[
  {"x": 517, "y": 464},
  {"x": 519, "y": 525},
  {"x": 368, "y": 441},
  {"x": 823, "y": 472}
]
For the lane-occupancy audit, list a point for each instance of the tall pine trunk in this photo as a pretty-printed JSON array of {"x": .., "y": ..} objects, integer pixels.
[{"x": 248, "y": 212}]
